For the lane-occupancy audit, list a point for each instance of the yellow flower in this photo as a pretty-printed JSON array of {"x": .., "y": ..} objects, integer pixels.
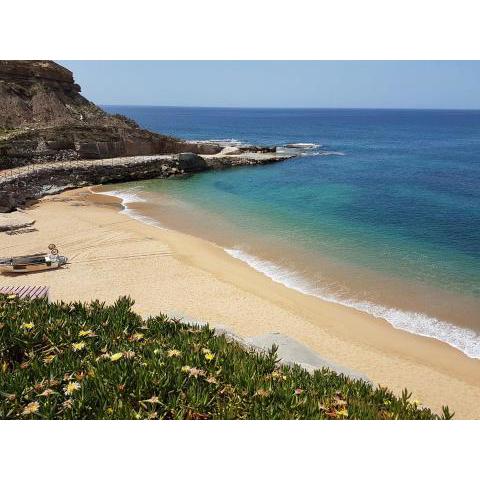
[
  {"x": 209, "y": 356},
  {"x": 342, "y": 413},
  {"x": 174, "y": 353},
  {"x": 71, "y": 388},
  {"x": 156, "y": 351},
  {"x": 136, "y": 337},
  {"x": 48, "y": 359},
  {"x": 78, "y": 346},
  {"x": 32, "y": 407},
  {"x": 116, "y": 356},
  {"x": 86, "y": 333},
  {"x": 11, "y": 297},
  {"x": 27, "y": 326},
  {"x": 278, "y": 375},
  {"x": 186, "y": 368}
]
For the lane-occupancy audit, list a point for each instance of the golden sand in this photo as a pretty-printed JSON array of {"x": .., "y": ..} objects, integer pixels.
[{"x": 168, "y": 271}]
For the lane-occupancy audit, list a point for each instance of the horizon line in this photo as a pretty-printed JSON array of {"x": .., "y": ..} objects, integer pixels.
[{"x": 291, "y": 108}]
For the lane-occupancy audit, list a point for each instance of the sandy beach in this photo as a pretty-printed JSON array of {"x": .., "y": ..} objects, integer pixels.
[{"x": 168, "y": 271}]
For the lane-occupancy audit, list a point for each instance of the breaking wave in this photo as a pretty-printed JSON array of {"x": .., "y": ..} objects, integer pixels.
[
  {"x": 128, "y": 196},
  {"x": 463, "y": 339},
  {"x": 302, "y": 145},
  {"x": 223, "y": 142}
]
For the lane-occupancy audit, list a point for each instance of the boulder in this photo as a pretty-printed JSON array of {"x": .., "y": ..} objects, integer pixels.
[{"x": 191, "y": 162}]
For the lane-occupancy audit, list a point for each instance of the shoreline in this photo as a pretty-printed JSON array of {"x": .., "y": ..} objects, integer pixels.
[
  {"x": 170, "y": 212},
  {"x": 173, "y": 271}
]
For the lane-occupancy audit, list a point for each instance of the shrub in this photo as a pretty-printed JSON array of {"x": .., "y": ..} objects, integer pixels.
[{"x": 93, "y": 361}]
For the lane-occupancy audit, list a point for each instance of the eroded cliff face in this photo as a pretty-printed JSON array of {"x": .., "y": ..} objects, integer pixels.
[
  {"x": 38, "y": 93},
  {"x": 44, "y": 118}
]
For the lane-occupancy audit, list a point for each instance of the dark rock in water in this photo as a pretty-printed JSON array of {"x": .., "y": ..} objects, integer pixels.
[
  {"x": 301, "y": 145},
  {"x": 44, "y": 118},
  {"x": 191, "y": 162},
  {"x": 256, "y": 149}
]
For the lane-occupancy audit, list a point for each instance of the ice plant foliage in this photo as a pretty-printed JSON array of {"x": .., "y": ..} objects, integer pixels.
[{"x": 92, "y": 361}]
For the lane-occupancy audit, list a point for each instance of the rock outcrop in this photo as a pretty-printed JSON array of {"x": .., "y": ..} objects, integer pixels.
[
  {"x": 26, "y": 185},
  {"x": 53, "y": 139},
  {"x": 44, "y": 118}
]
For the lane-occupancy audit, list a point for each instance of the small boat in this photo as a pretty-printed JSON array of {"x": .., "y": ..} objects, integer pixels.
[{"x": 33, "y": 263}]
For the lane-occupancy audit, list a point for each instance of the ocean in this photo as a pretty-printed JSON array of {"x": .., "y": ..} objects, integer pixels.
[{"x": 380, "y": 212}]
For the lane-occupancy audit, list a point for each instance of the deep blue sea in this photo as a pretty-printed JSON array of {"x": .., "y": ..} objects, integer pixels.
[{"x": 380, "y": 212}]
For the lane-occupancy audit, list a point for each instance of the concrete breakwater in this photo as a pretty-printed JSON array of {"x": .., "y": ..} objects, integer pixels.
[{"x": 21, "y": 186}]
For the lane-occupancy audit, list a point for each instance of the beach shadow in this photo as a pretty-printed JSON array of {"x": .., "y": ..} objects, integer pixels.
[
  {"x": 19, "y": 274},
  {"x": 21, "y": 231}
]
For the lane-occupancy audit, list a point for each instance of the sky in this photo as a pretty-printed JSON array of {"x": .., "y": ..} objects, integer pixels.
[{"x": 277, "y": 84}]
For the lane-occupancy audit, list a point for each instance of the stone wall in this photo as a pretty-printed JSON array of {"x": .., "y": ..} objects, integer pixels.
[
  {"x": 22, "y": 190},
  {"x": 27, "y": 185}
]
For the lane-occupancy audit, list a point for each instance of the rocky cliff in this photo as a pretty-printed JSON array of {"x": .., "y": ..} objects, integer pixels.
[
  {"x": 44, "y": 118},
  {"x": 53, "y": 139}
]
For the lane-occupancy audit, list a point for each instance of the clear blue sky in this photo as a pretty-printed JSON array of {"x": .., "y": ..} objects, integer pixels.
[{"x": 329, "y": 84}]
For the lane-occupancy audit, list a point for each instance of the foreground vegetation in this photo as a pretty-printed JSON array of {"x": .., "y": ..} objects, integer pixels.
[{"x": 91, "y": 361}]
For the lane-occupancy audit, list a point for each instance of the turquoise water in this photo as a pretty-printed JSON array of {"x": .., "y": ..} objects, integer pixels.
[{"x": 381, "y": 212}]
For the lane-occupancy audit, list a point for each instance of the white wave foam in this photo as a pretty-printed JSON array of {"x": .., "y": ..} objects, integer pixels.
[
  {"x": 303, "y": 145},
  {"x": 324, "y": 153},
  {"x": 463, "y": 339},
  {"x": 297, "y": 149},
  {"x": 223, "y": 142},
  {"x": 128, "y": 196},
  {"x": 306, "y": 150}
]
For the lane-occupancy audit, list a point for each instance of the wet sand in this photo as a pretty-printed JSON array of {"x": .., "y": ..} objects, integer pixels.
[{"x": 168, "y": 271}]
